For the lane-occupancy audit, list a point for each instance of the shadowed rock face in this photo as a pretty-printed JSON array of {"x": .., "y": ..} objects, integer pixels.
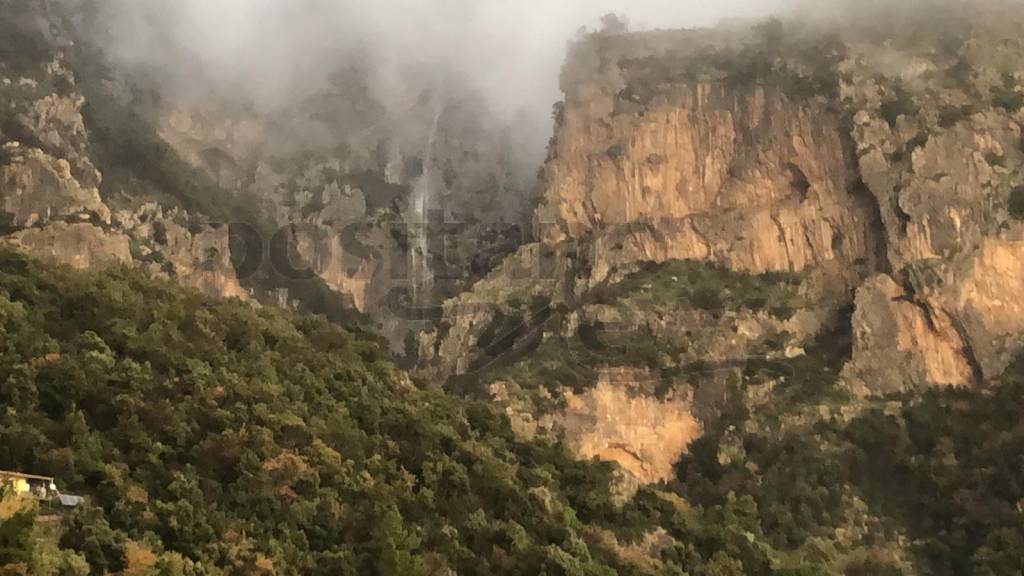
[
  {"x": 327, "y": 179},
  {"x": 337, "y": 172},
  {"x": 50, "y": 202}
]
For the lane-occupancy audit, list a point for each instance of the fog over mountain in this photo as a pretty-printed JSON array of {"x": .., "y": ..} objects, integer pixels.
[
  {"x": 499, "y": 288},
  {"x": 274, "y": 53}
]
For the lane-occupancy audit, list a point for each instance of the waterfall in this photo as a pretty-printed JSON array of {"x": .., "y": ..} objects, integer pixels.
[{"x": 422, "y": 199}]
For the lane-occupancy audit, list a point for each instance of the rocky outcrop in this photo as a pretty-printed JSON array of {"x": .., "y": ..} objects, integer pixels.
[
  {"x": 641, "y": 433},
  {"x": 50, "y": 200},
  {"x": 938, "y": 141},
  {"x": 36, "y": 187},
  {"x": 730, "y": 171},
  {"x": 79, "y": 245},
  {"x": 534, "y": 271},
  {"x": 619, "y": 419},
  {"x": 175, "y": 244},
  {"x": 628, "y": 371},
  {"x": 883, "y": 176},
  {"x": 901, "y": 344},
  {"x": 147, "y": 237},
  {"x": 723, "y": 170}
]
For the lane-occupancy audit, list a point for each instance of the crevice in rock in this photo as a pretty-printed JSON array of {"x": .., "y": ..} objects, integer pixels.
[
  {"x": 966, "y": 350},
  {"x": 977, "y": 372},
  {"x": 859, "y": 190},
  {"x": 910, "y": 296},
  {"x": 700, "y": 234},
  {"x": 799, "y": 181},
  {"x": 901, "y": 214},
  {"x": 782, "y": 237},
  {"x": 875, "y": 234}
]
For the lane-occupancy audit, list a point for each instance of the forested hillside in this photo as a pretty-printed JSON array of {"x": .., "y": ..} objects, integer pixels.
[
  {"x": 212, "y": 437},
  {"x": 767, "y": 321}
]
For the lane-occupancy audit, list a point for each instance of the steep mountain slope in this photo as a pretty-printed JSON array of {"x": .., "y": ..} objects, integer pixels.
[
  {"x": 50, "y": 187},
  {"x": 214, "y": 438},
  {"x": 223, "y": 439},
  {"x": 335, "y": 203},
  {"x": 394, "y": 197},
  {"x": 799, "y": 185},
  {"x": 771, "y": 309}
]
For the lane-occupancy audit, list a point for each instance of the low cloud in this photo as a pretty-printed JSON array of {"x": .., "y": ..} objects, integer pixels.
[{"x": 274, "y": 53}]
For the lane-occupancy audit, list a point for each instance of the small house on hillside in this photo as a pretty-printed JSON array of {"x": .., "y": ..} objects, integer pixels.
[{"x": 39, "y": 487}]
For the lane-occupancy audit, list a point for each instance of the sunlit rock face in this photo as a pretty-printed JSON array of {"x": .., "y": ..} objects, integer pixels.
[
  {"x": 744, "y": 176},
  {"x": 775, "y": 167},
  {"x": 939, "y": 146},
  {"x": 884, "y": 176},
  {"x": 643, "y": 434}
]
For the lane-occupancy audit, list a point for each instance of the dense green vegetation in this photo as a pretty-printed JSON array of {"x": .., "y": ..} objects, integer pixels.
[
  {"x": 944, "y": 471},
  {"x": 215, "y": 438},
  {"x": 681, "y": 284},
  {"x": 555, "y": 363},
  {"x": 251, "y": 442},
  {"x": 811, "y": 480},
  {"x": 29, "y": 544}
]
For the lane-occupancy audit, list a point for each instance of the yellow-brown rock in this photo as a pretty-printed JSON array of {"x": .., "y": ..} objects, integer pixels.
[
  {"x": 747, "y": 177},
  {"x": 643, "y": 434}
]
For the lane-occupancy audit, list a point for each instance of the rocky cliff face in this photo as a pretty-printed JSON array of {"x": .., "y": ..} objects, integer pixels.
[
  {"x": 715, "y": 203},
  {"x": 50, "y": 200},
  {"x": 745, "y": 177},
  {"x": 879, "y": 177},
  {"x": 939, "y": 146},
  {"x": 352, "y": 184},
  {"x": 334, "y": 201}
]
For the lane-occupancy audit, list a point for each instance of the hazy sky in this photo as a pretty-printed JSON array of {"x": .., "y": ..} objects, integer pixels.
[
  {"x": 275, "y": 41},
  {"x": 273, "y": 51}
]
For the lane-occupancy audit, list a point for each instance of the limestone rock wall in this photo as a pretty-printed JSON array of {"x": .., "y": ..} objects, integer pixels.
[
  {"x": 79, "y": 245},
  {"x": 885, "y": 175},
  {"x": 745, "y": 176},
  {"x": 908, "y": 344},
  {"x": 38, "y": 187}
]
